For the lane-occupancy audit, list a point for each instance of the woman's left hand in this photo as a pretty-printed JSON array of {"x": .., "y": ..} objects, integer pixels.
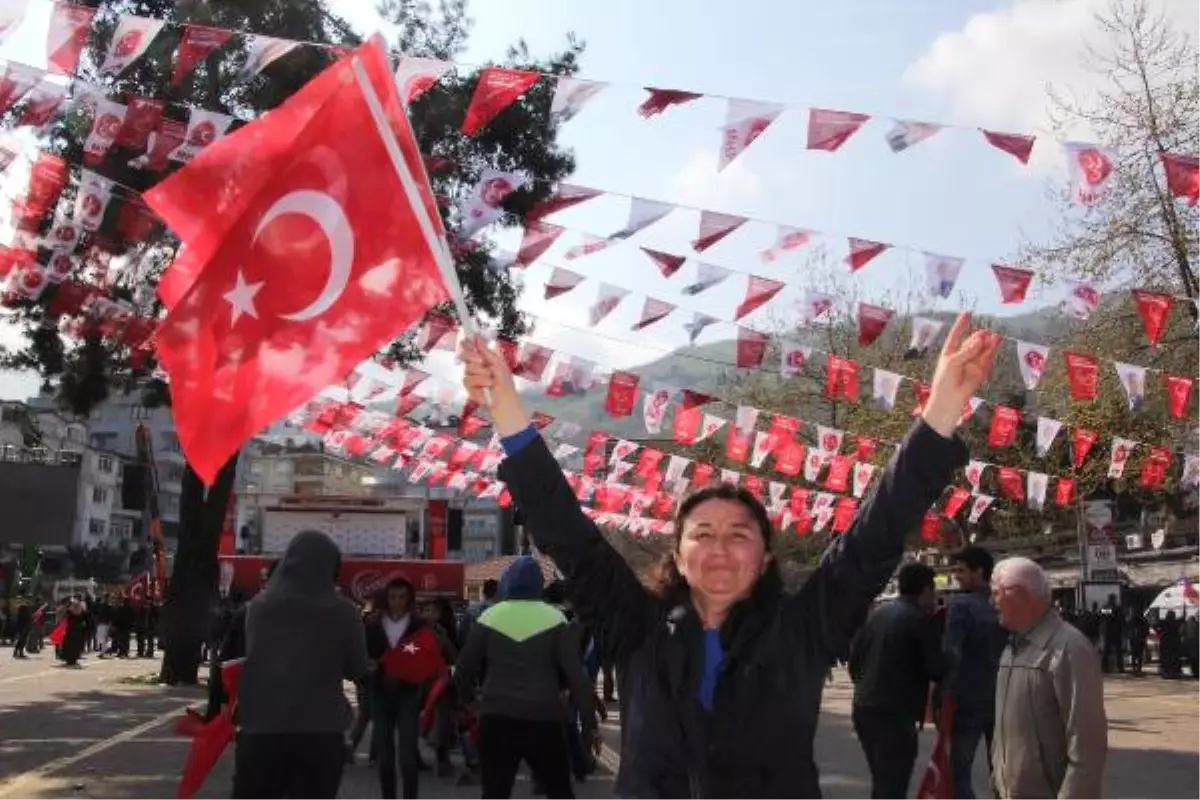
[{"x": 964, "y": 366}]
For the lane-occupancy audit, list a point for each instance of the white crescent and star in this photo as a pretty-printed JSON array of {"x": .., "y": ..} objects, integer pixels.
[{"x": 329, "y": 215}]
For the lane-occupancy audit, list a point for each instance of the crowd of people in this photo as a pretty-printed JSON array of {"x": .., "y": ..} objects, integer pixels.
[{"x": 113, "y": 625}]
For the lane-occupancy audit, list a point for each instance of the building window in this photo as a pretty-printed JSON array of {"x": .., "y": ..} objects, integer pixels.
[
  {"x": 104, "y": 464},
  {"x": 256, "y": 468},
  {"x": 95, "y": 526},
  {"x": 119, "y": 529},
  {"x": 99, "y": 495},
  {"x": 139, "y": 413}
]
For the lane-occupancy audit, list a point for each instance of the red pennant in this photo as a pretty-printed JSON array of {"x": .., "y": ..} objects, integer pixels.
[
  {"x": 1083, "y": 372},
  {"x": 498, "y": 87},
  {"x": 958, "y": 498},
  {"x": 841, "y": 378},
  {"x": 594, "y": 451},
  {"x": 843, "y": 514},
  {"x": 758, "y": 291},
  {"x": 1154, "y": 471},
  {"x": 789, "y": 457},
  {"x": 622, "y": 394},
  {"x": 1014, "y": 282},
  {"x": 538, "y": 238},
  {"x": 862, "y": 251},
  {"x": 42, "y": 105},
  {"x": 871, "y": 322},
  {"x": 1004, "y": 427},
  {"x": 565, "y": 197},
  {"x": 47, "y": 179},
  {"x": 667, "y": 264},
  {"x": 439, "y": 332},
  {"x": 652, "y": 311},
  {"x": 1179, "y": 393},
  {"x": 532, "y": 363},
  {"x": 922, "y": 391},
  {"x": 931, "y": 527},
  {"x": 687, "y": 424},
  {"x": 142, "y": 116},
  {"x": 838, "y": 477},
  {"x": 1015, "y": 144},
  {"x": 648, "y": 462},
  {"x": 828, "y": 130},
  {"x": 70, "y": 26},
  {"x": 1183, "y": 176},
  {"x": 1083, "y": 441},
  {"x": 754, "y": 485},
  {"x": 693, "y": 399},
  {"x": 1012, "y": 485},
  {"x": 1153, "y": 308},
  {"x": 864, "y": 448},
  {"x": 751, "y": 348},
  {"x": 702, "y": 475},
  {"x": 737, "y": 443},
  {"x": 1064, "y": 492},
  {"x": 198, "y": 43},
  {"x": 799, "y": 501},
  {"x": 714, "y": 227},
  {"x": 662, "y": 99}
]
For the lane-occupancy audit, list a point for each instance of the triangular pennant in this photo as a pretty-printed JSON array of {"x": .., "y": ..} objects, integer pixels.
[
  {"x": 1082, "y": 300},
  {"x": 12, "y": 14},
  {"x": 862, "y": 251},
  {"x": 652, "y": 311},
  {"x": 707, "y": 276},
  {"x": 787, "y": 240},
  {"x": 654, "y": 407},
  {"x": 1133, "y": 380},
  {"x": 751, "y": 348},
  {"x": 197, "y": 43},
  {"x": 1035, "y": 489},
  {"x": 941, "y": 273},
  {"x": 484, "y": 203},
  {"x": 828, "y": 130},
  {"x": 758, "y": 291},
  {"x": 1083, "y": 372},
  {"x": 204, "y": 127},
  {"x": 745, "y": 121},
  {"x": 1032, "y": 358},
  {"x": 562, "y": 281},
  {"x": 591, "y": 244},
  {"x": 815, "y": 305},
  {"x": 42, "y": 104},
  {"x": 415, "y": 76},
  {"x": 92, "y": 199},
  {"x": 1183, "y": 177},
  {"x": 667, "y": 263},
  {"x": 793, "y": 356},
  {"x": 925, "y": 333},
  {"x": 872, "y": 320},
  {"x": 697, "y": 325},
  {"x": 608, "y": 297},
  {"x": 1013, "y": 281},
  {"x": 1153, "y": 308},
  {"x": 1091, "y": 169},
  {"x": 537, "y": 239},
  {"x": 106, "y": 124},
  {"x": 974, "y": 473},
  {"x": 1082, "y": 445},
  {"x": 70, "y": 26},
  {"x": 15, "y": 82},
  {"x": 981, "y": 504},
  {"x": 1179, "y": 395},
  {"x": 1122, "y": 449},
  {"x": 129, "y": 41},
  {"x": 496, "y": 90},
  {"x": 1047, "y": 431},
  {"x": 1016, "y": 145},
  {"x": 571, "y": 95},
  {"x": 642, "y": 214},
  {"x": 1189, "y": 477},
  {"x": 709, "y": 426},
  {"x": 884, "y": 387},
  {"x": 262, "y": 52},
  {"x": 907, "y": 133},
  {"x": 566, "y": 197},
  {"x": 714, "y": 227},
  {"x": 862, "y": 478},
  {"x": 662, "y": 99}
]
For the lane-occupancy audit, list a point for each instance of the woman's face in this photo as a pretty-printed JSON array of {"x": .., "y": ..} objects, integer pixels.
[
  {"x": 398, "y": 601},
  {"x": 721, "y": 550}
]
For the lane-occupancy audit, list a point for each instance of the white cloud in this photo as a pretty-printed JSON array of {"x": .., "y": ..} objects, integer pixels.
[
  {"x": 995, "y": 70},
  {"x": 699, "y": 184}
]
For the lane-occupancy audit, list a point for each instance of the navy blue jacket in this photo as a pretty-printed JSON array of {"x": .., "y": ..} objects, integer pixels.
[
  {"x": 758, "y": 739},
  {"x": 972, "y": 644}
]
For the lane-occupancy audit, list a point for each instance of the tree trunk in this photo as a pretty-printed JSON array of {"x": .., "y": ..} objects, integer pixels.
[{"x": 194, "y": 574}]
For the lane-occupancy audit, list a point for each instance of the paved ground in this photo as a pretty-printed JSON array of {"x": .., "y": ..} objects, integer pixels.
[{"x": 92, "y": 732}]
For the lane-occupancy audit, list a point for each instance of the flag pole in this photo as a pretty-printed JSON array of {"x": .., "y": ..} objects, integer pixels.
[{"x": 437, "y": 243}]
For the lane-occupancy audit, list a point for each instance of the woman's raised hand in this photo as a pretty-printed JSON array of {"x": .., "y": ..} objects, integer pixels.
[
  {"x": 963, "y": 367},
  {"x": 489, "y": 382}
]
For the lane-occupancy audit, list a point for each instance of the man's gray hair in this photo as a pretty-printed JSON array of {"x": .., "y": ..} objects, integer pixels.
[{"x": 1023, "y": 572}]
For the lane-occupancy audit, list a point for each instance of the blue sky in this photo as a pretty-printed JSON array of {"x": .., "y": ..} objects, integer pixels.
[{"x": 968, "y": 62}]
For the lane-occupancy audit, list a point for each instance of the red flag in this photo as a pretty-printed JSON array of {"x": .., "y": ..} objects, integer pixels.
[
  {"x": 871, "y": 322},
  {"x": 1183, "y": 176},
  {"x": 498, "y": 87},
  {"x": 1004, "y": 427},
  {"x": 862, "y": 251},
  {"x": 1064, "y": 491},
  {"x": 1083, "y": 441},
  {"x": 1012, "y": 485},
  {"x": 15, "y": 81},
  {"x": 565, "y": 197},
  {"x": 789, "y": 457},
  {"x": 843, "y": 514},
  {"x": 142, "y": 116},
  {"x": 652, "y": 311},
  {"x": 864, "y": 447},
  {"x": 42, "y": 105},
  {"x": 714, "y": 227},
  {"x": 1014, "y": 282},
  {"x": 667, "y": 264},
  {"x": 1179, "y": 393},
  {"x": 197, "y": 43},
  {"x": 737, "y": 443},
  {"x": 958, "y": 498},
  {"x": 1016, "y": 145},
  {"x": 751, "y": 347},
  {"x": 931, "y": 527},
  {"x": 841, "y": 378},
  {"x": 70, "y": 26},
  {"x": 532, "y": 361},
  {"x": 59, "y": 633},
  {"x": 922, "y": 390},
  {"x": 622, "y": 393},
  {"x": 1153, "y": 308},
  {"x": 1083, "y": 372},
  {"x": 758, "y": 291},
  {"x": 838, "y": 477},
  {"x": 1154, "y": 470},
  {"x": 937, "y": 783},
  {"x": 415, "y": 659},
  {"x": 829, "y": 130},
  {"x": 538, "y": 238},
  {"x": 310, "y": 277},
  {"x": 662, "y": 99}
]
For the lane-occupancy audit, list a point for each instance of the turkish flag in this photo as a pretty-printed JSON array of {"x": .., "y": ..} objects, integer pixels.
[
  {"x": 497, "y": 88},
  {"x": 1083, "y": 373},
  {"x": 1179, "y": 392},
  {"x": 937, "y": 782},
  {"x": 622, "y": 394},
  {"x": 322, "y": 266},
  {"x": 1153, "y": 308},
  {"x": 415, "y": 659}
]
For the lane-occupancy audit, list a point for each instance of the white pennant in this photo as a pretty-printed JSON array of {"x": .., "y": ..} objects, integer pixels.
[
  {"x": 91, "y": 201},
  {"x": 1047, "y": 430},
  {"x": 675, "y": 468},
  {"x": 654, "y": 407},
  {"x": 732, "y": 477},
  {"x": 747, "y": 417},
  {"x": 204, "y": 128},
  {"x": 862, "y": 477},
  {"x": 886, "y": 384},
  {"x": 941, "y": 273},
  {"x": 608, "y": 297},
  {"x": 814, "y": 461},
  {"x": 642, "y": 214},
  {"x": 415, "y": 75},
  {"x": 1092, "y": 169},
  {"x": 1032, "y": 360},
  {"x": 907, "y": 133},
  {"x": 564, "y": 451},
  {"x": 484, "y": 204},
  {"x": 792, "y": 358},
  {"x": 975, "y": 473},
  {"x": 106, "y": 124},
  {"x": 129, "y": 41},
  {"x": 816, "y": 305},
  {"x": 979, "y": 506},
  {"x": 1190, "y": 478},
  {"x": 1035, "y": 489},
  {"x": 709, "y": 426},
  {"x": 745, "y": 121},
  {"x": 1122, "y": 449},
  {"x": 925, "y": 332},
  {"x": 787, "y": 240},
  {"x": 571, "y": 94},
  {"x": 762, "y": 448},
  {"x": 1133, "y": 381},
  {"x": 697, "y": 325},
  {"x": 707, "y": 276},
  {"x": 261, "y": 52},
  {"x": 829, "y": 440},
  {"x": 1082, "y": 300},
  {"x": 622, "y": 450}
]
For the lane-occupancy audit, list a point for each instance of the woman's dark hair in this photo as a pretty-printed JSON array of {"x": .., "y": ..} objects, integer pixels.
[{"x": 667, "y": 580}]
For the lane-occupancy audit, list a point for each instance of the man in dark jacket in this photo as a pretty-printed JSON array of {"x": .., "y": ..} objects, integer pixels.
[
  {"x": 302, "y": 641},
  {"x": 529, "y": 652},
  {"x": 22, "y": 627},
  {"x": 971, "y": 645},
  {"x": 892, "y": 662}
]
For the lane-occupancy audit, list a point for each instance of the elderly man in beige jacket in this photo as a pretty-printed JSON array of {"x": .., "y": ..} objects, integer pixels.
[{"x": 1051, "y": 735}]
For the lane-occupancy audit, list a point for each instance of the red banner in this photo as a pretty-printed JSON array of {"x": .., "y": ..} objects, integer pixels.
[
  {"x": 1179, "y": 392},
  {"x": 1004, "y": 427},
  {"x": 1083, "y": 372},
  {"x": 362, "y": 579},
  {"x": 1084, "y": 439},
  {"x": 438, "y": 516}
]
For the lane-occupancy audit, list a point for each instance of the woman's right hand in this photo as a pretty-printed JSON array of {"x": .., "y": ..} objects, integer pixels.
[{"x": 489, "y": 382}]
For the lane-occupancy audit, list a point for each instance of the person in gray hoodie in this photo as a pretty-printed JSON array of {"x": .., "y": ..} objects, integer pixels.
[
  {"x": 529, "y": 651},
  {"x": 302, "y": 641}
]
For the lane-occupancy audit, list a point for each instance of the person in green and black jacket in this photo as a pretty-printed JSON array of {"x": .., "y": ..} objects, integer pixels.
[{"x": 529, "y": 651}]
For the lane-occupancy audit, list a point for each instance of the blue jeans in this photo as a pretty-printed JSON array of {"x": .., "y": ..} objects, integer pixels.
[{"x": 969, "y": 728}]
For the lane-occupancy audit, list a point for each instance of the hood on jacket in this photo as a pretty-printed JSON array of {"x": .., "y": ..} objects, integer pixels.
[
  {"x": 522, "y": 580},
  {"x": 309, "y": 565}
]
